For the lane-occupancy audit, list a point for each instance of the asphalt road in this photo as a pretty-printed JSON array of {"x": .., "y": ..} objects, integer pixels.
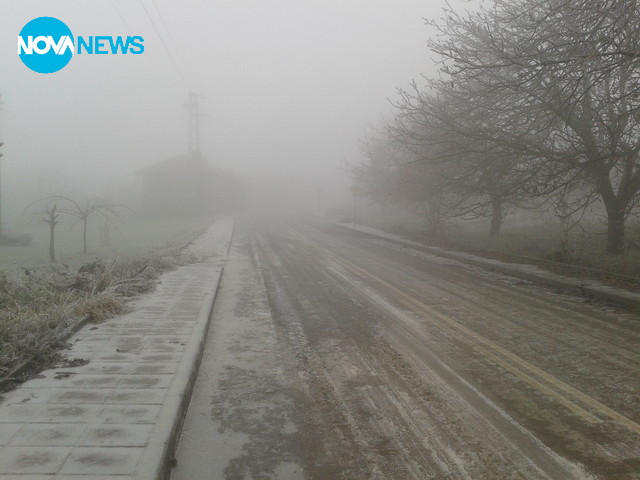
[{"x": 336, "y": 355}]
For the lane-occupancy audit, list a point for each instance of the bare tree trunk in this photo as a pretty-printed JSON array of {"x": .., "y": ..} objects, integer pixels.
[
  {"x": 432, "y": 211},
  {"x": 496, "y": 217},
  {"x": 564, "y": 237},
  {"x": 84, "y": 235},
  {"x": 435, "y": 228},
  {"x": 52, "y": 233},
  {"x": 563, "y": 212},
  {"x": 106, "y": 239},
  {"x": 615, "y": 218},
  {"x": 615, "y": 231},
  {"x": 52, "y": 242}
]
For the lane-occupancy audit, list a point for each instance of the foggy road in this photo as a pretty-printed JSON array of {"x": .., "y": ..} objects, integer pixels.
[{"x": 333, "y": 354}]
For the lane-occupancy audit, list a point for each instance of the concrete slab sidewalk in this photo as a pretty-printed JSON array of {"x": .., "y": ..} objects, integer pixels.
[
  {"x": 118, "y": 416},
  {"x": 615, "y": 296}
]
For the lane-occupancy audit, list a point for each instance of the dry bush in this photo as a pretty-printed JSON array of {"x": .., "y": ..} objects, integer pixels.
[{"x": 38, "y": 306}]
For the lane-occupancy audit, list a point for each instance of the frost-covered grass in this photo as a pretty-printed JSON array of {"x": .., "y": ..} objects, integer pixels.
[
  {"x": 36, "y": 310},
  {"x": 39, "y": 302},
  {"x": 538, "y": 241},
  {"x": 532, "y": 239},
  {"x": 586, "y": 247}
]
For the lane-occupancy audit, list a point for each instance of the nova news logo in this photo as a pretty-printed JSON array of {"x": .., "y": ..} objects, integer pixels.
[{"x": 46, "y": 45}]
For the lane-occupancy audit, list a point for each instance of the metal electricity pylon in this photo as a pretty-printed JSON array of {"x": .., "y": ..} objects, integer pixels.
[{"x": 194, "y": 127}]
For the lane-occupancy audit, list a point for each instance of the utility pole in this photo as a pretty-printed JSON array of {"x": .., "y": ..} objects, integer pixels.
[{"x": 194, "y": 127}]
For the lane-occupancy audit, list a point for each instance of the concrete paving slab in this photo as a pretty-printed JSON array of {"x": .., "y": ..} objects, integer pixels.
[
  {"x": 66, "y": 414},
  {"x": 45, "y": 460},
  {"x": 114, "y": 435},
  {"x": 146, "y": 381},
  {"x": 21, "y": 413},
  {"x": 50, "y": 435},
  {"x": 95, "y": 460},
  {"x": 153, "y": 369},
  {"x": 81, "y": 396},
  {"x": 79, "y": 380},
  {"x": 128, "y": 414},
  {"x": 118, "y": 416},
  {"x": 8, "y": 431}
]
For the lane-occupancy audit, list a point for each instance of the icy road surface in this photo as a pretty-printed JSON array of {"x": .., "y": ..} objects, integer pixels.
[{"x": 335, "y": 355}]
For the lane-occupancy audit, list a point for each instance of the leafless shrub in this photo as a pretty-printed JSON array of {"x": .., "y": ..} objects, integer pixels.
[{"x": 38, "y": 306}]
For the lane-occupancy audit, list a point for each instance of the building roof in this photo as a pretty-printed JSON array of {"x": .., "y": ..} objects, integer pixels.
[{"x": 179, "y": 165}]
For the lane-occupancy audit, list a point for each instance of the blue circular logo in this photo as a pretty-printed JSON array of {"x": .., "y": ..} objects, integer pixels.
[{"x": 45, "y": 45}]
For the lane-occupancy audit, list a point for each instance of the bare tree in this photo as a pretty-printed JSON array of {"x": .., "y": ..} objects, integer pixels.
[
  {"x": 47, "y": 209},
  {"x": 82, "y": 211},
  {"x": 567, "y": 71},
  {"x": 51, "y": 207},
  {"x": 483, "y": 177},
  {"x": 52, "y": 219},
  {"x": 396, "y": 175},
  {"x": 569, "y": 204}
]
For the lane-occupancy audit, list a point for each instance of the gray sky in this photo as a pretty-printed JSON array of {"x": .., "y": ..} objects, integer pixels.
[{"x": 289, "y": 86}]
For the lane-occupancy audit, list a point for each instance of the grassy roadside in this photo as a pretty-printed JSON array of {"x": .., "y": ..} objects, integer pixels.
[
  {"x": 538, "y": 243},
  {"x": 39, "y": 302},
  {"x": 133, "y": 236}
]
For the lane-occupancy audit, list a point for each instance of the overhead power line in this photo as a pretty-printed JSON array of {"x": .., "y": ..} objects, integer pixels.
[
  {"x": 153, "y": 65},
  {"x": 173, "y": 61},
  {"x": 121, "y": 17},
  {"x": 173, "y": 42}
]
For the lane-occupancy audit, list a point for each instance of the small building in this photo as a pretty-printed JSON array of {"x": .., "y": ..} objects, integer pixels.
[{"x": 183, "y": 186}]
